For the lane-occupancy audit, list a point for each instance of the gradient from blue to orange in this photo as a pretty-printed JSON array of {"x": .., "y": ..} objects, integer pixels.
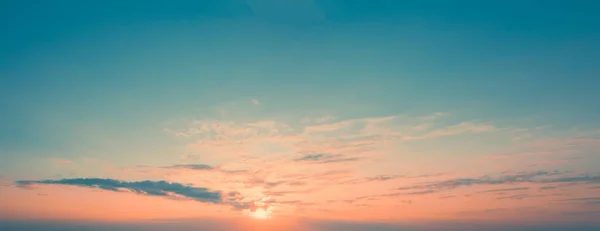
[{"x": 433, "y": 113}]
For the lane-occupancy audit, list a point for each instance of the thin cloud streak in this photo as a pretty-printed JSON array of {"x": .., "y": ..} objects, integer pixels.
[
  {"x": 150, "y": 188},
  {"x": 523, "y": 177}
]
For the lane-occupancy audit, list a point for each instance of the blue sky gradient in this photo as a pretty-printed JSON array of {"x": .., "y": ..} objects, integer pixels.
[{"x": 104, "y": 79}]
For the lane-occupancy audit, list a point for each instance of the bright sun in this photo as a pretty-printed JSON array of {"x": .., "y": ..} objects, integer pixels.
[{"x": 261, "y": 214}]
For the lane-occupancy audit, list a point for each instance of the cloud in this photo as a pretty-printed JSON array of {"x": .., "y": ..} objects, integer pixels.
[
  {"x": 509, "y": 155},
  {"x": 255, "y": 102},
  {"x": 522, "y": 177},
  {"x": 576, "y": 179},
  {"x": 420, "y": 192},
  {"x": 447, "y": 197},
  {"x": 518, "y": 196},
  {"x": 584, "y": 200},
  {"x": 548, "y": 187},
  {"x": 152, "y": 188},
  {"x": 277, "y": 146},
  {"x": 192, "y": 166},
  {"x": 264, "y": 183},
  {"x": 458, "y": 129},
  {"x": 389, "y": 177},
  {"x": 321, "y": 135},
  {"x": 505, "y": 190},
  {"x": 326, "y": 158}
]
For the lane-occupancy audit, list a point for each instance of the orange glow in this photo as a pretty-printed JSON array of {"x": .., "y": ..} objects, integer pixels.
[{"x": 261, "y": 214}]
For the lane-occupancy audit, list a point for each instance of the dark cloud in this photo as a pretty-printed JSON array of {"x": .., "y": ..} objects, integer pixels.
[
  {"x": 421, "y": 192},
  {"x": 314, "y": 157},
  {"x": 382, "y": 178},
  {"x": 192, "y": 166},
  {"x": 152, "y": 188},
  {"x": 446, "y": 197},
  {"x": 504, "y": 190},
  {"x": 522, "y": 177},
  {"x": 326, "y": 158},
  {"x": 518, "y": 197},
  {"x": 372, "y": 179},
  {"x": 584, "y": 200},
  {"x": 236, "y": 200},
  {"x": 341, "y": 160},
  {"x": 182, "y": 166},
  {"x": 576, "y": 179}
]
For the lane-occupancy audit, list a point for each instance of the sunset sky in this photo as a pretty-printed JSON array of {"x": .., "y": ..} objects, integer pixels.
[{"x": 300, "y": 115}]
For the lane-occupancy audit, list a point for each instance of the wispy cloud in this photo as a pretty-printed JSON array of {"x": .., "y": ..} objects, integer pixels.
[
  {"x": 381, "y": 178},
  {"x": 304, "y": 164},
  {"x": 510, "y": 155},
  {"x": 518, "y": 196},
  {"x": 461, "y": 128},
  {"x": 324, "y": 135},
  {"x": 192, "y": 166},
  {"x": 151, "y": 188},
  {"x": 505, "y": 190},
  {"x": 585, "y": 200},
  {"x": 326, "y": 158},
  {"x": 523, "y": 177}
]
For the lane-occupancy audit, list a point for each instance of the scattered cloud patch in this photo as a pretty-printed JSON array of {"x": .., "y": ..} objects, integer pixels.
[
  {"x": 584, "y": 200},
  {"x": 447, "y": 197},
  {"x": 389, "y": 177},
  {"x": 522, "y": 177},
  {"x": 509, "y": 155},
  {"x": 192, "y": 166},
  {"x": 326, "y": 158},
  {"x": 548, "y": 187},
  {"x": 505, "y": 190},
  {"x": 165, "y": 189},
  {"x": 151, "y": 188},
  {"x": 517, "y": 197}
]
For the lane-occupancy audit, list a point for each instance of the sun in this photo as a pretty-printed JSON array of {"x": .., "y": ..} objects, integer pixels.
[{"x": 261, "y": 214}]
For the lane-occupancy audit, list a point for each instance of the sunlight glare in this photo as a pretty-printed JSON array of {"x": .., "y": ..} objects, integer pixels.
[{"x": 261, "y": 214}]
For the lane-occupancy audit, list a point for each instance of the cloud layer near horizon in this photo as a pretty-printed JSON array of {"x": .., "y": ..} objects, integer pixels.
[
  {"x": 165, "y": 189},
  {"x": 325, "y": 165}
]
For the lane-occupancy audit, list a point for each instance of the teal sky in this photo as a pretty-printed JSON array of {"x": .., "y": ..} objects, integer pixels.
[{"x": 111, "y": 83}]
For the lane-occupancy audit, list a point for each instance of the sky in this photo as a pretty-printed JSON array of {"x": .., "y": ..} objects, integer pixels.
[{"x": 299, "y": 115}]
